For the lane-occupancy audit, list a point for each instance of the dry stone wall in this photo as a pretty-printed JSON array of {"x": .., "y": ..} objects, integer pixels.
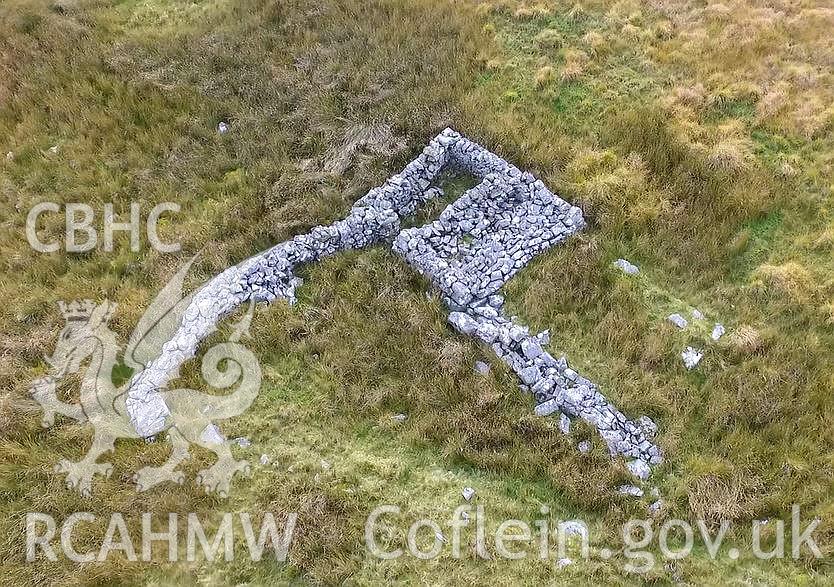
[{"x": 478, "y": 243}]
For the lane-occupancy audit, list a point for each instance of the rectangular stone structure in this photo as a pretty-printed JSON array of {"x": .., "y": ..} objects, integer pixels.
[{"x": 487, "y": 235}]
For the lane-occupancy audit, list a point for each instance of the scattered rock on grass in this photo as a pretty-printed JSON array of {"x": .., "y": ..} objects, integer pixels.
[
  {"x": 211, "y": 435},
  {"x": 564, "y": 424},
  {"x": 632, "y": 490},
  {"x": 468, "y": 493},
  {"x": 243, "y": 442},
  {"x": 697, "y": 315},
  {"x": 584, "y": 447},
  {"x": 691, "y": 357},
  {"x": 639, "y": 469},
  {"x": 627, "y": 268},
  {"x": 563, "y": 562},
  {"x": 264, "y": 459},
  {"x": 678, "y": 320},
  {"x": 574, "y": 528},
  {"x": 717, "y": 331},
  {"x": 546, "y": 408},
  {"x": 481, "y": 367},
  {"x": 399, "y": 417},
  {"x": 222, "y": 128}
]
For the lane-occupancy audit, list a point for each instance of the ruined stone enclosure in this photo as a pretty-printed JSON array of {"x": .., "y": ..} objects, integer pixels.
[{"x": 476, "y": 245}]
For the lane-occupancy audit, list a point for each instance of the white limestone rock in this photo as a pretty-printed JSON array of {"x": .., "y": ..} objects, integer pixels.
[
  {"x": 463, "y": 323},
  {"x": 678, "y": 321},
  {"x": 626, "y": 267},
  {"x": 691, "y": 357},
  {"x": 211, "y": 435},
  {"x": 551, "y": 406},
  {"x": 631, "y": 490},
  {"x": 574, "y": 528},
  {"x": 639, "y": 469}
]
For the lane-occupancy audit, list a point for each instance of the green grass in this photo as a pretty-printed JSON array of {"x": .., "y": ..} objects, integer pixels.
[
  {"x": 131, "y": 93},
  {"x": 732, "y": 108}
]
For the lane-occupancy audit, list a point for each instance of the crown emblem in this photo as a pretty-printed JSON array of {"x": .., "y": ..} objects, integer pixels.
[{"x": 77, "y": 309}]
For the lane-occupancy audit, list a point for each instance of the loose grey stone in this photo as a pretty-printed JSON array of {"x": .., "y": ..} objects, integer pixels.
[
  {"x": 678, "y": 320},
  {"x": 564, "y": 424},
  {"x": 463, "y": 323},
  {"x": 627, "y": 267},
  {"x": 630, "y": 490},
  {"x": 211, "y": 435},
  {"x": 584, "y": 447},
  {"x": 717, "y": 331},
  {"x": 639, "y": 469},
  {"x": 468, "y": 493},
  {"x": 481, "y": 367},
  {"x": 697, "y": 315},
  {"x": 547, "y": 408},
  {"x": 573, "y": 528},
  {"x": 222, "y": 128},
  {"x": 691, "y": 357}
]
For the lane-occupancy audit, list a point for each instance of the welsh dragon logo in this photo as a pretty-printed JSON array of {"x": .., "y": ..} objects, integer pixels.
[{"x": 87, "y": 346}]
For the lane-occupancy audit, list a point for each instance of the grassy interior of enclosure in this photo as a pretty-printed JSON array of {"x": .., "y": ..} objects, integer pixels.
[{"x": 697, "y": 137}]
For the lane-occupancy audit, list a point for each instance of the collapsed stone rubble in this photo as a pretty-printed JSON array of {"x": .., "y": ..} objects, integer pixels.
[
  {"x": 557, "y": 389},
  {"x": 476, "y": 245}
]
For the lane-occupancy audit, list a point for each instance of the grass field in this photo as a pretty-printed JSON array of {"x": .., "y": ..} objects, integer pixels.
[{"x": 697, "y": 137}]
